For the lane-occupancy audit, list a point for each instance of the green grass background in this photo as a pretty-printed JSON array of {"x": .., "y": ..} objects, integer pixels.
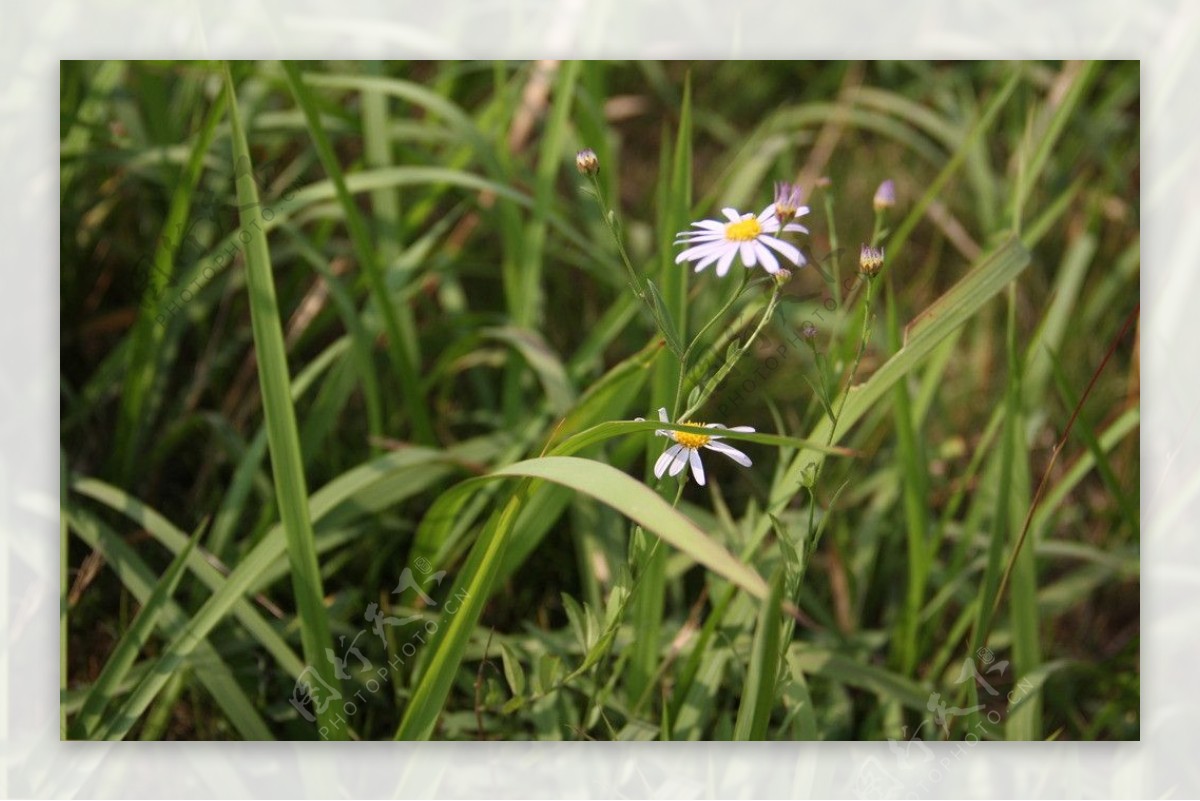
[{"x": 307, "y": 307}]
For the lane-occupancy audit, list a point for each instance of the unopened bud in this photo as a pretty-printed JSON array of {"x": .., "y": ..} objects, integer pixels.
[
  {"x": 586, "y": 161},
  {"x": 870, "y": 260},
  {"x": 885, "y": 195}
]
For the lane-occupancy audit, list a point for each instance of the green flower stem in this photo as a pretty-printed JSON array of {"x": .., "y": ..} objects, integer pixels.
[
  {"x": 610, "y": 220},
  {"x": 868, "y": 296},
  {"x": 833, "y": 248},
  {"x": 712, "y": 384},
  {"x": 683, "y": 363}
]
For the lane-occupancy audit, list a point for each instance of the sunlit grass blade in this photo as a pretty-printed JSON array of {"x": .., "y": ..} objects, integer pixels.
[{"x": 282, "y": 436}]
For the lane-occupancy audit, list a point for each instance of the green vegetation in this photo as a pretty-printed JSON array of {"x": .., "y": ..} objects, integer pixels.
[{"x": 366, "y": 331}]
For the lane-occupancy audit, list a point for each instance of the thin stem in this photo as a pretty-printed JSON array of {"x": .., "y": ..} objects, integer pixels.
[
  {"x": 711, "y": 385},
  {"x": 610, "y": 220},
  {"x": 862, "y": 346},
  {"x": 833, "y": 248},
  {"x": 683, "y": 363}
]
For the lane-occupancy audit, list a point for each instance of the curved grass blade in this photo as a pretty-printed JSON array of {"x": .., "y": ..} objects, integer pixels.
[{"x": 607, "y": 484}]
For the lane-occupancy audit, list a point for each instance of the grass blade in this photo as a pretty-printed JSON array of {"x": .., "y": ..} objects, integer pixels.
[
  {"x": 147, "y": 337},
  {"x": 131, "y": 643},
  {"x": 282, "y": 437},
  {"x": 396, "y": 320},
  {"x": 922, "y": 335},
  {"x": 607, "y": 484},
  {"x": 758, "y": 697}
]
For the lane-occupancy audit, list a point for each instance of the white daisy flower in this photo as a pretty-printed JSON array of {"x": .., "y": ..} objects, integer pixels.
[
  {"x": 686, "y": 447},
  {"x": 746, "y": 234}
]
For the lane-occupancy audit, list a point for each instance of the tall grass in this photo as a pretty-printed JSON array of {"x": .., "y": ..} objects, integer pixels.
[{"x": 366, "y": 331}]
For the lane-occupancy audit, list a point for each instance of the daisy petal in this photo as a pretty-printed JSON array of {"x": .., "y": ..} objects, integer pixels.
[
  {"x": 743, "y": 429},
  {"x": 667, "y": 458},
  {"x": 731, "y": 452},
  {"x": 733, "y": 214},
  {"x": 749, "y": 257},
  {"x": 786, "y": 249},
  {"x": 769, "y": 262},
  {"x": 697, "y": 467},
  {"x": 699, "y": 251},
  {"x": 709, "y": 259},
  {"x": 695, "y": 252},
  {"x": 681, "y": 458},
  {"x": 726, "y": 260},
  {"x": 662, "y": 415}
]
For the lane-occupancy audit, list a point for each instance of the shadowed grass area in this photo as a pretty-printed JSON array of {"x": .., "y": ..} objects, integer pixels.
[{"x": 368, "y": 332}]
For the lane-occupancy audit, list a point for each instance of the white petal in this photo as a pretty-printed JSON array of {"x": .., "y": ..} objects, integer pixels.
[
  {"x": 767, "y": 214},
  {"x": 665, "y": 459},
  {"x": 733, "y": 214},
  {"x": 786, "y": 249},
  {"x": 795, "y": 227},
  {"x": 681, "y": 458},
  {"x": 662, "y": 415},
  {"x": 769, "y": 262},
  {"x": 749, "y": 257},
  {"x": 743, "y": 429},
  {"x": 710, "y": 225},
  {"x": 697, "y": 467},
  {"x": 726, "y": 260},
  {"x": 731, "y": 452},
  {"x": 695, "y": 252},
  {"x": 711, "y": 257}
]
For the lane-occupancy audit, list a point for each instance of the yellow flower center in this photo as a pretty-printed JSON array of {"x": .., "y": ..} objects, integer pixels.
[
  {"x": 743, "y": 230},
  {"x": 691, "y": 441}
]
